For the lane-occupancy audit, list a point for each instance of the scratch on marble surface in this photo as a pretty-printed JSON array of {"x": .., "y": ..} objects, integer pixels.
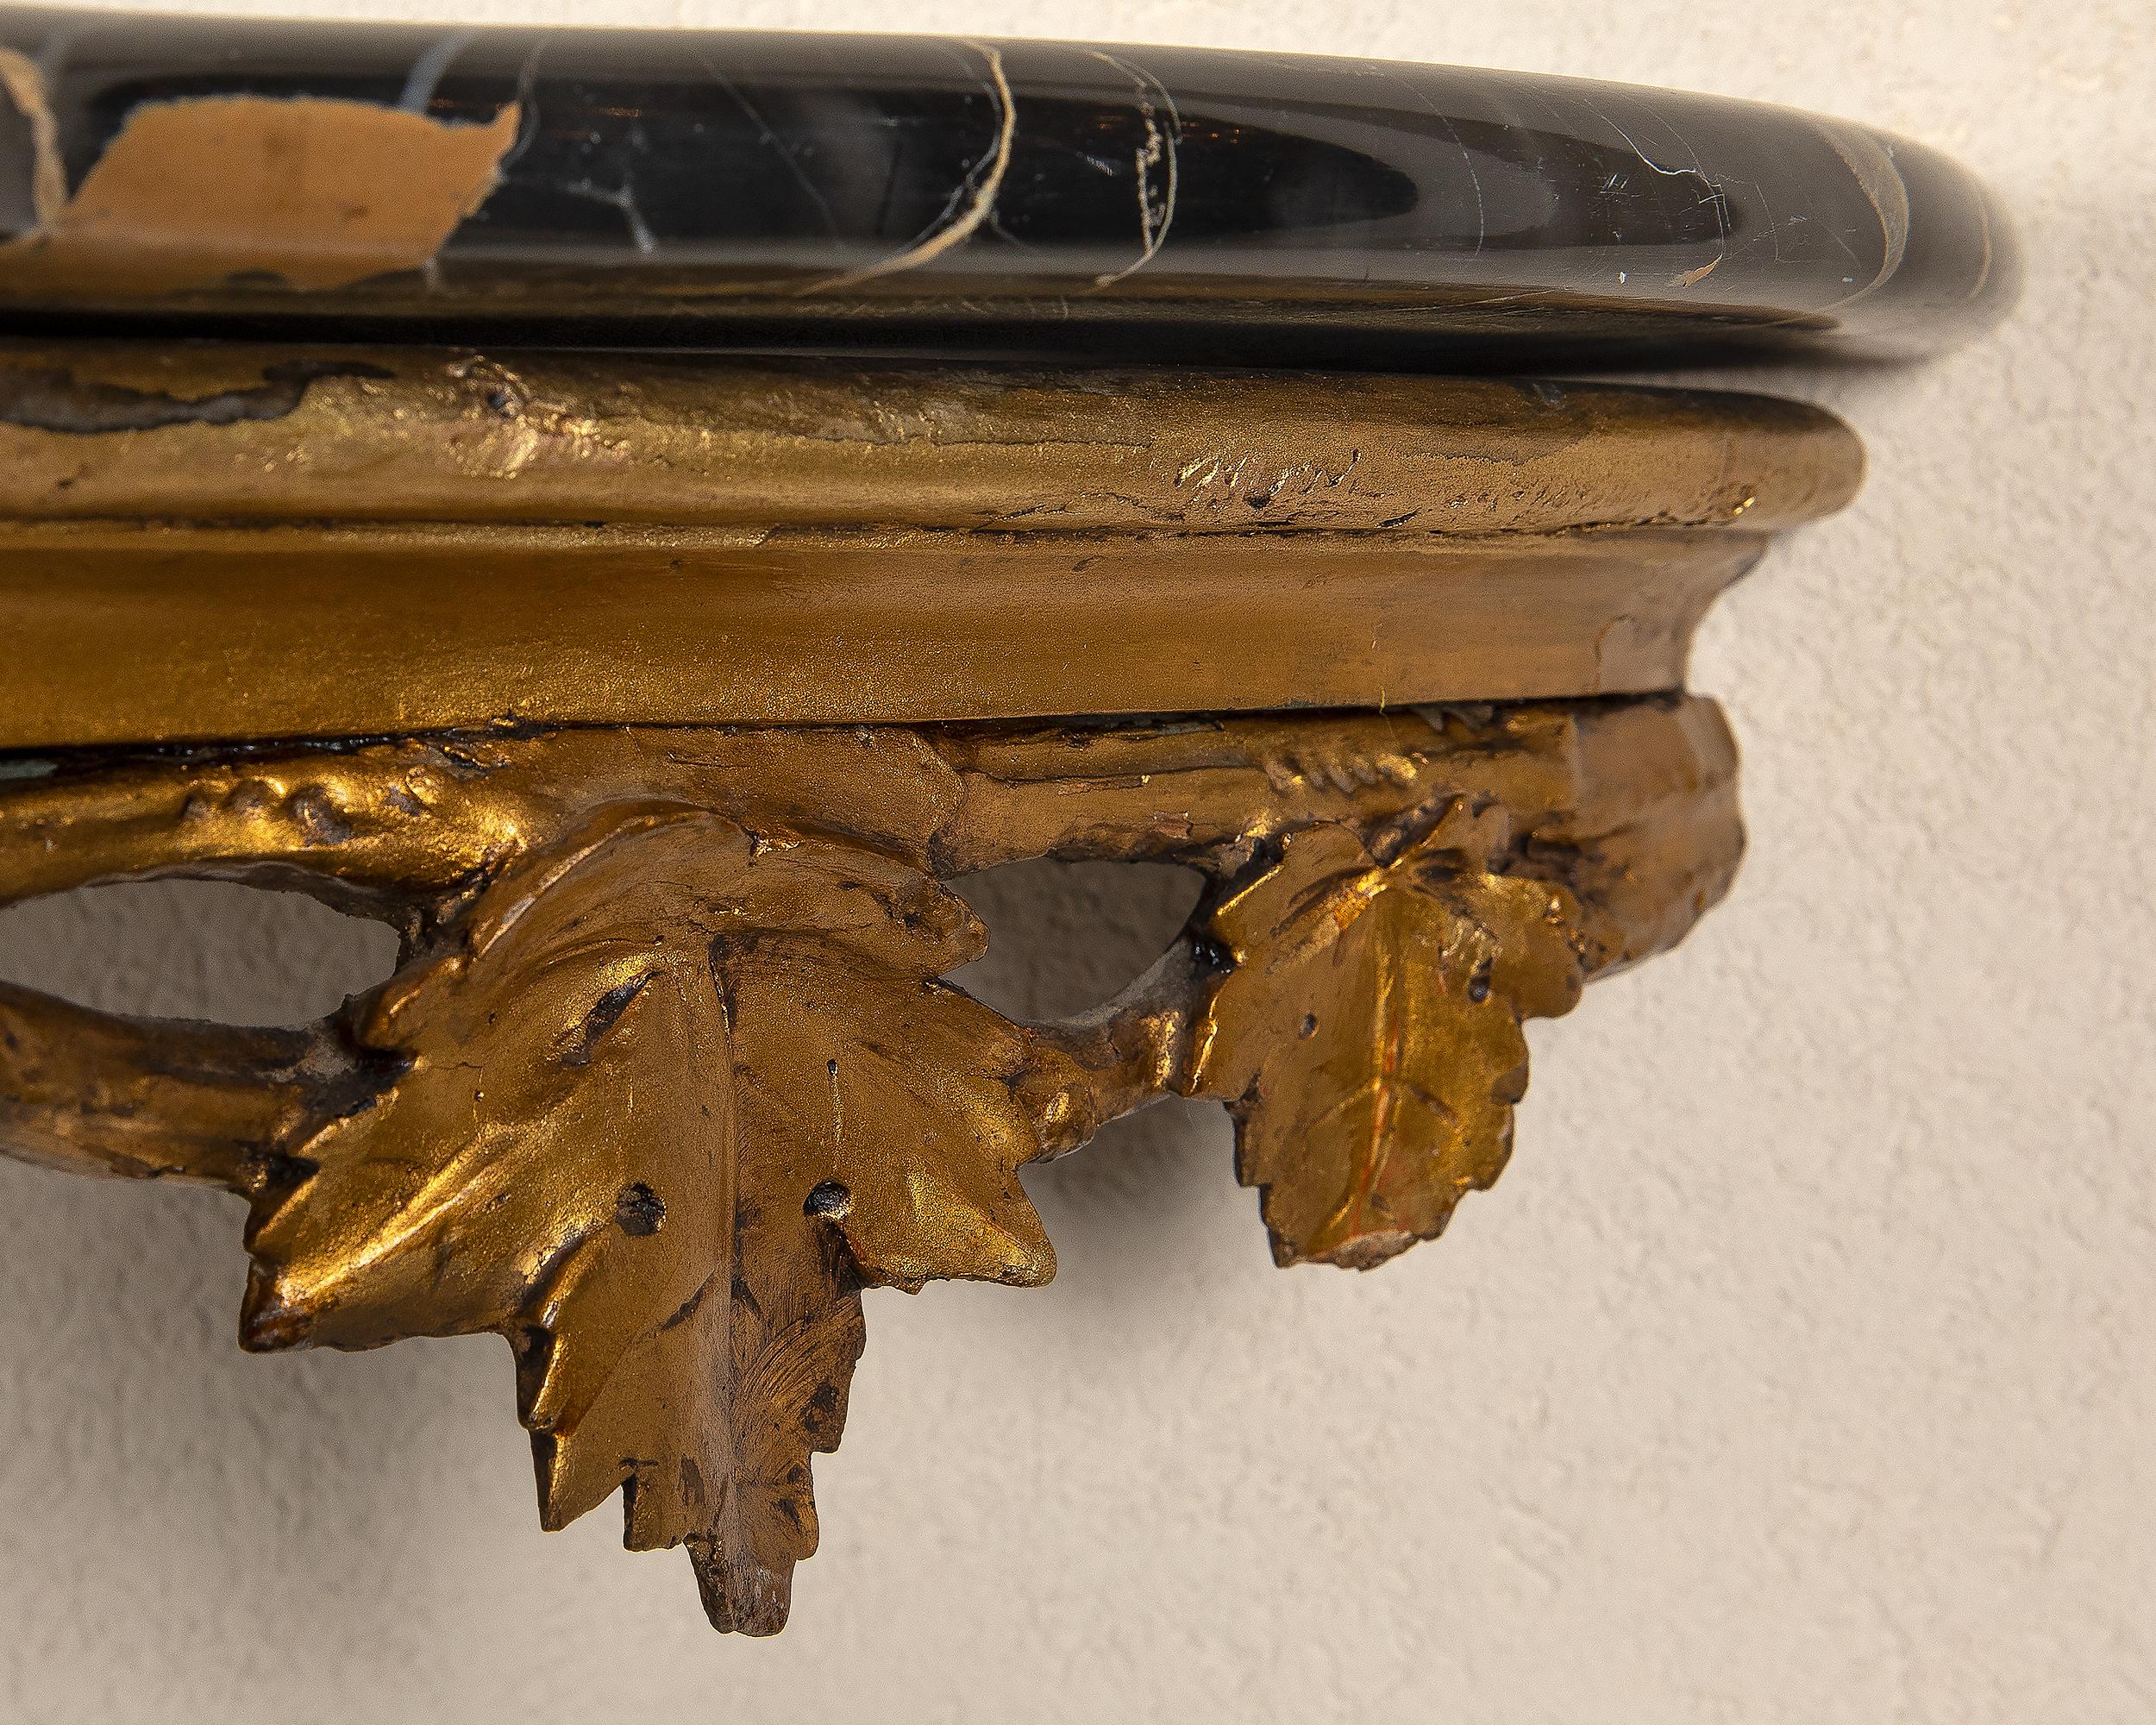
[
  {"x": 24, "y": 86},
  {"x": 769, "y": 134},
  {"x": 1873, "y": 167},
  {"x": 1155, "y": 216},
  {"x": 427, "y": 70},
  {"x": 956, "y": 226},
  {"x": 1467, "y": 155},
  {"x": 1716, "y": 199}
]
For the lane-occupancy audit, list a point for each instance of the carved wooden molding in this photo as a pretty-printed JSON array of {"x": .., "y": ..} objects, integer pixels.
[
  {"x": 423, "y": 539},
  {"x": 667, "y": 1073}
]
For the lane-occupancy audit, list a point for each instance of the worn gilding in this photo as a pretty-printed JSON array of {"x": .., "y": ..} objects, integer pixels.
[
  {"x": 668, "y": 1076},
  {"x": 420, "y": 540}
]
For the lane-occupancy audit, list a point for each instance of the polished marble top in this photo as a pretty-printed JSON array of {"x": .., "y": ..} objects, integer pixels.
[{"x": 714, "y": 189}]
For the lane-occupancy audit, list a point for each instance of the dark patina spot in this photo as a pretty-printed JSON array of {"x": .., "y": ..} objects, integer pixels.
[{"x": 638, "y": 1211}]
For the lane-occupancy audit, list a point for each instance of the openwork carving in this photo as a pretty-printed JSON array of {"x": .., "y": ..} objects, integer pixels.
[{"x": 668, "y": 1075}]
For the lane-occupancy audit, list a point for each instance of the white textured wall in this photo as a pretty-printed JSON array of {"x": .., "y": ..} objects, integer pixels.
[{"x": 1800, "y": 1369}]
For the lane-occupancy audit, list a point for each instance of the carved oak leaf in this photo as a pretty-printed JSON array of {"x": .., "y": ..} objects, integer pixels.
[
  {"x": 1367, "y": 1039},
  {"x": 673, "y": 1095}
]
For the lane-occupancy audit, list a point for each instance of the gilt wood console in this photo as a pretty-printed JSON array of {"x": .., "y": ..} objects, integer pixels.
[{"x": 642, "y": 513}]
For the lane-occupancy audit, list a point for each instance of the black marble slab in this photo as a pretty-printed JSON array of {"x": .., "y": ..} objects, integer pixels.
[{"x": 728, "y": 189}]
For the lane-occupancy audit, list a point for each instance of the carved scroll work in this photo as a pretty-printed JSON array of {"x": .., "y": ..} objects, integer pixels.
[{"x": 668, "y": 1075}]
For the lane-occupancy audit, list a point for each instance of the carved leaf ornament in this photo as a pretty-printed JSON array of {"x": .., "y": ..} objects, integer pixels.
[
  {"x": 1368, "y": 1039},
  {"x": 720, "y": 1090},
  {"x": 669, "y": 1074}
]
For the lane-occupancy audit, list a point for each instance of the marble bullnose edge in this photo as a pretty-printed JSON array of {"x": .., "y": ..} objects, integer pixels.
[{"x": 1058, "y": 198}]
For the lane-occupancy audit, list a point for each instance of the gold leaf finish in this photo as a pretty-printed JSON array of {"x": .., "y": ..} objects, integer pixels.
[
  {"x": 1368, "y": 1039},
  {"x": 618, "y": 1133},
  {"x": 668, "y": 1075},
  {"x": 422, "y": 541}
]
